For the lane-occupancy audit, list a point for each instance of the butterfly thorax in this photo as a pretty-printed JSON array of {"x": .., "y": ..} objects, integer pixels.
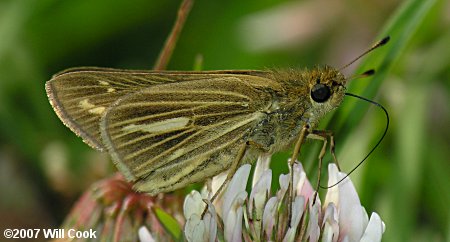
[{"x": 299, "y": 104}]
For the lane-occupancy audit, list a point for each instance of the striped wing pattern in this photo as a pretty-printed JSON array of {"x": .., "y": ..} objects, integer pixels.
[
  {"x": 167, "y": 136},
  {"x": 81, "y": 96}
]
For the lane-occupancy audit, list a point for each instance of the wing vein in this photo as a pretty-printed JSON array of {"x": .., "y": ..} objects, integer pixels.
[{"x": 234, "y": 127}]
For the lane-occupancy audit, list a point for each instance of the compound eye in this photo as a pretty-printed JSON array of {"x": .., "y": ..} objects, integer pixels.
[{"x": 320, "y": 93}]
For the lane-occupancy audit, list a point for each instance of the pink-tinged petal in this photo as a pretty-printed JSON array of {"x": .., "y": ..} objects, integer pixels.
[
  {"x": 374, "y": 230},
  {"x": 144, "y": 235},
  {"x": 313, "y": 231},
  {"x": 269, "y": 217},
  {"x": 330, "y": 224},
  {"x": 344, "y": 195},
  {"x": 237, "y": 185},
  {"x": 233, "y": 219},
  {"x": 304, "y": 187},
  {"x": 262, "y": 165}
]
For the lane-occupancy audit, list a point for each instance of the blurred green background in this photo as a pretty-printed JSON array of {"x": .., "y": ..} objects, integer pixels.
[{"x": 44, "y": 167}]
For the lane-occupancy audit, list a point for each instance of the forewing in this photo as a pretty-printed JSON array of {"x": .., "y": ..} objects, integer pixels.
[
  {"x": 81, "y": 96},
  {"x": 167, "y": 136}
]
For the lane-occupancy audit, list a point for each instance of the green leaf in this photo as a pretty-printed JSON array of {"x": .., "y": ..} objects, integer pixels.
[{"x": 169, "y": 223}]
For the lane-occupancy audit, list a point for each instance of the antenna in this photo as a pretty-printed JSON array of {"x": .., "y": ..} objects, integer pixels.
[
  {"x": 378, "y": 143},
  {"x": 375, "y": 46},
  {"x": 367, "y": 73}
]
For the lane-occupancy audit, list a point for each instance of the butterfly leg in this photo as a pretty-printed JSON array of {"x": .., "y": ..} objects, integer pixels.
[
  {"x": 332, "y": 151},
  {"x": 298, "y": 144},
  {"x": 321, "y": 155},
  {"x": 235, "y": 165},
  {"x": 323, "y": 135},
  {"x": 231, "y": 172},
  {"x": 237, "y": 162}
]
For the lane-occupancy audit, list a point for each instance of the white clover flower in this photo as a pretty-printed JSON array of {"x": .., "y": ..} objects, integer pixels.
[
  {"x": 233, "y": 201},
  {"x": 349, "y": 220},
  {"x": 196, "y": 227},
  {"x": 145, "y": 235},
  {"x": 276, "y": 217}
]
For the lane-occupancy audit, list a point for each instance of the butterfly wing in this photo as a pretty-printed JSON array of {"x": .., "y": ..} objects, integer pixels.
[
  {"x": 81, "y": 96},
  {"x": 167, "y": 136}
]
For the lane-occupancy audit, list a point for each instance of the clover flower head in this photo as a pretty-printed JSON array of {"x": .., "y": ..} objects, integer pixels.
[{"x": 263, "y": 216}]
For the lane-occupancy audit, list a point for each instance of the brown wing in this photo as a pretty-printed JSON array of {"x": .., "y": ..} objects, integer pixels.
[
  {"x": 167, "y": 136},
  {"x": 80, "y": 96}
]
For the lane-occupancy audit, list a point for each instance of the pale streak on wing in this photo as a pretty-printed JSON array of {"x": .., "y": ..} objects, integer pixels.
[
  {"x": 102, "y": 87},
  {"x": 87, "y": 106},
  {"x": 148, "y": 104},
  {"x": 168, "y": 103},
  {"x": 196, "y": 145},
  {"x": 66, "y": 90},
  {"x": 160, "y": 126},
  {"x": 133, "y": 155},
  {"x": 219, "y": 109},
  {"x": 120, "y": 132},
  {"x": 198, "y": 132},
  {"x": 156, "y": 185},
  {"x": 155, "y": 165},
  {"x": 147, "y": 117},
  {"x": 143, "y": 137},
  {"x": 205, "y": 142},
  {"x": 243, "y": 101}
]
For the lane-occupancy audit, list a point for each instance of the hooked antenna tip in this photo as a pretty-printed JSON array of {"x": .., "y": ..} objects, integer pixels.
[
  {"x": 378, "y": 44},
  {"x": 368, "y": 73},
  {"x": 384, "y": 41}
]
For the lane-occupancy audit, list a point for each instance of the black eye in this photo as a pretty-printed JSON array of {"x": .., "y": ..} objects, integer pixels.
[{"x": 320, "y": 93}]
